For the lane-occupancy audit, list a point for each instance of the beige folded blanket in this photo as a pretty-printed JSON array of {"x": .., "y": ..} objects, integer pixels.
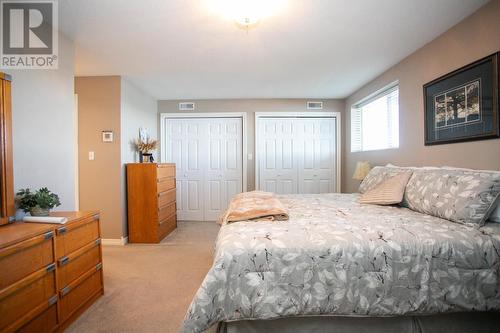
[{"x": 256, "y": 206}]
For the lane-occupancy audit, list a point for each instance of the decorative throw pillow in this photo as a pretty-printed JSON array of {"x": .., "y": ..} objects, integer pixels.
[
  {"x": 390, "y": 191},
  {"x": 377, "y": 175},
  {"x": 461, "y": 196}
]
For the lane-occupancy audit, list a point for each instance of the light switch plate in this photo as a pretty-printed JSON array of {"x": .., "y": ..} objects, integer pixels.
[{"x": 91, "y": 156}]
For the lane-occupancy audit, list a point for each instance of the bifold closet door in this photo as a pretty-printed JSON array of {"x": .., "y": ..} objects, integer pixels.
[
  {"x": 224, "y": 169},
  {"x": 297, "y": 155},
  {"x": 317, "y": 159},
  {"x": 277, "y": 140},
  {"x": 185, "y": 138},
  {"x": 208, "y": 156}
]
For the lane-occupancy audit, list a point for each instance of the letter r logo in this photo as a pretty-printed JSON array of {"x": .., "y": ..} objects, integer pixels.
[{"x": 27, "y": 27}]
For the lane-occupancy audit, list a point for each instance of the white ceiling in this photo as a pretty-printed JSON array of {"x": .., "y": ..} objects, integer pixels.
[{"x": 177, "y": 49}]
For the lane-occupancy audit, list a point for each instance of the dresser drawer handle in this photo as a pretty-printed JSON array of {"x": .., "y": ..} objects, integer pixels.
[
  {"x": 65, "y": 291},
  {"x": 63, "y": 261},
  {"x": 53, "y": 300},
  {"x": 97, "y": 241},
  {"x": 62, "y": 230},
  {"x": 50, "y": 267},
  {"x": 48, "y": 235},
  {"x": 98, "y": 266}
]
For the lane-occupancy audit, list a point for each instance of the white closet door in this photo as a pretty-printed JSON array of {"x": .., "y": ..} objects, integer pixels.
[
  {"x": 316, "y": 165},
  {"x": 224, "y": 169},
  {"x": 297, "y": 155},
  {"x": 185, "y": 141},
  {"x": 277, "y": 160},
  {"x": 208, "y": 156}
]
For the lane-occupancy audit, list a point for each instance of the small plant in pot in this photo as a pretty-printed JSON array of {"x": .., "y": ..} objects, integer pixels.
[{"x": 38, "y": 203}]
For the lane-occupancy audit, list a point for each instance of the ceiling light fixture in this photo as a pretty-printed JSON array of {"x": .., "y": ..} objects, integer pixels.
[{"x": 246, "y": 13}]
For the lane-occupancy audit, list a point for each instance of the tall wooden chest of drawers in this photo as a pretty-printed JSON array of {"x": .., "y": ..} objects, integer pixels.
[
  {"x": 49, "y": 273},
  {"x": 152, "y": 211}
]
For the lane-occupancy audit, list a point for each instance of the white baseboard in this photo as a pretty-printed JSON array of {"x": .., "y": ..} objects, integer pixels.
[{"x": 114, "y": 241}]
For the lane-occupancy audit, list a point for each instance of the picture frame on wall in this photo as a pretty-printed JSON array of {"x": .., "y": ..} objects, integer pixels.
[{"x": 463, "y": 105}]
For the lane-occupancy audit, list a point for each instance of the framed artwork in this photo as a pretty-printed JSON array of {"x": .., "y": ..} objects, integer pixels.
[
  {"x": 463, "y": 105},
  {"x": 107, "y": 136}
]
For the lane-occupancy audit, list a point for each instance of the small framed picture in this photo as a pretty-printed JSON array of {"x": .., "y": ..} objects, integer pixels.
[{"x": 107, "y": 136}]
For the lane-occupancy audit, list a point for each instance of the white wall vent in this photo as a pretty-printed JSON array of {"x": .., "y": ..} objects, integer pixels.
[
  {"x": 315, "y": 105},
  {"x": 186, "y": 106}
]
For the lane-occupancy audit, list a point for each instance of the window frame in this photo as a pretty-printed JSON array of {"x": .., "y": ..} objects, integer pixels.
[{"x": 357, "y": 107}]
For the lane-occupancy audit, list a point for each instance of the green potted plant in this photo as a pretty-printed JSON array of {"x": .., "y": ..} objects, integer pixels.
[{"x": 38, "y": 203}]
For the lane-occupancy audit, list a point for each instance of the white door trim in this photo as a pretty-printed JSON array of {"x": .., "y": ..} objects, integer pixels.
[
  {"x": 242, "y": 115},
  {"x": 338, "y": 122}
]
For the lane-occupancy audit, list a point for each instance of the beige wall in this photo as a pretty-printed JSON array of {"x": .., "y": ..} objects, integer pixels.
[
  {"x": 475, "y": 37},
  {"x": 250, "y": 106},
  {"x": 100, "y": 179}
]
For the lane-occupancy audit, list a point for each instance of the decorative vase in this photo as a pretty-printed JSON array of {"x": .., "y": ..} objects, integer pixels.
[
  {"x": 37, "y": 211},
  {"x": 146, "y": 158}
]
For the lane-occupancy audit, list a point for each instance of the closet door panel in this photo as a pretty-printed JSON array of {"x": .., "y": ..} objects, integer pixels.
[
  {"x": 185, "y": 140},
  {"x": 224, "y": 173},
  {"x": 316, "y": 167},
  {"x": 277, "y": 155}
]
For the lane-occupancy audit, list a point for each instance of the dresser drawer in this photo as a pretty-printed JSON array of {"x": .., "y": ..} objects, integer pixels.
[
  {"x": 26, "y": 257},
  {"x": 76, "y": 235},
  {"x": 25, "y": 299},
  {"x": 78, "y": 292},
  {"x": 164, "y": 171},
  {"x": 78, "y": 262},
  {"x": 165, "y": 198},
  {"x": 44, "y": 322},
  {"x": 167, "y": 225},
  {"x": 165, "y": 184},
  {"x": 166, "y": 211}
]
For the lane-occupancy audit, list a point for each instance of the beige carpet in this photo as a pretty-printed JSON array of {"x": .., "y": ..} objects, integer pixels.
[{"x": 148, "y": 288}]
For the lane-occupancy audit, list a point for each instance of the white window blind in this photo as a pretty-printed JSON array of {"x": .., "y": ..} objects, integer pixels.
[{"x": 375, "y": 121}]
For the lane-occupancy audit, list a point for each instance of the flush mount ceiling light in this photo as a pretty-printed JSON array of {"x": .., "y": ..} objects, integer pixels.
[{"x": 245, "y": 13}]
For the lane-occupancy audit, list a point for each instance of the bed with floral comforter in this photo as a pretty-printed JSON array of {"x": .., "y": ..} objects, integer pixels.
[{"x": 338, "y": 257}]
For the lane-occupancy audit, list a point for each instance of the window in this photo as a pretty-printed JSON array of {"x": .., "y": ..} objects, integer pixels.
[{"x": 375, "y": 121}]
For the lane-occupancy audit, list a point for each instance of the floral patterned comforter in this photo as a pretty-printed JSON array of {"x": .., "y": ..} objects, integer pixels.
[{"x": 338, "y": 257}]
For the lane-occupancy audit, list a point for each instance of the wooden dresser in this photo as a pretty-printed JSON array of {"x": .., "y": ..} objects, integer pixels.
[
  {"x": 49, "y": 273},
  {"x": 152, "y": 210}
]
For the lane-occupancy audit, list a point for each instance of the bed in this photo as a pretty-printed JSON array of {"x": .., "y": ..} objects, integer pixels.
[
  {"x": 336, "y": 259},
  {"x": 336, "y": 256}
]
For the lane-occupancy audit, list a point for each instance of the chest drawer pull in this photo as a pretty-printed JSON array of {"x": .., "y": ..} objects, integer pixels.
[
  {"x": 98, "y": 241},
  {"x": 63, "y": 261},
  {"x": 49, "y": 235},
  {"x": 64, "y": 291},
  {"x": 61, "y": 230},
  {"x": 50, "y": 267},
  {"x": 53, "y": 300},
  {"x": 98, "y": 266}
]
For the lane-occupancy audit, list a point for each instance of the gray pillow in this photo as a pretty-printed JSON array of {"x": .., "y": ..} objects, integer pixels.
[
  {"x": 377, "y": 175},
  {"x": 461, "y": 196}
]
